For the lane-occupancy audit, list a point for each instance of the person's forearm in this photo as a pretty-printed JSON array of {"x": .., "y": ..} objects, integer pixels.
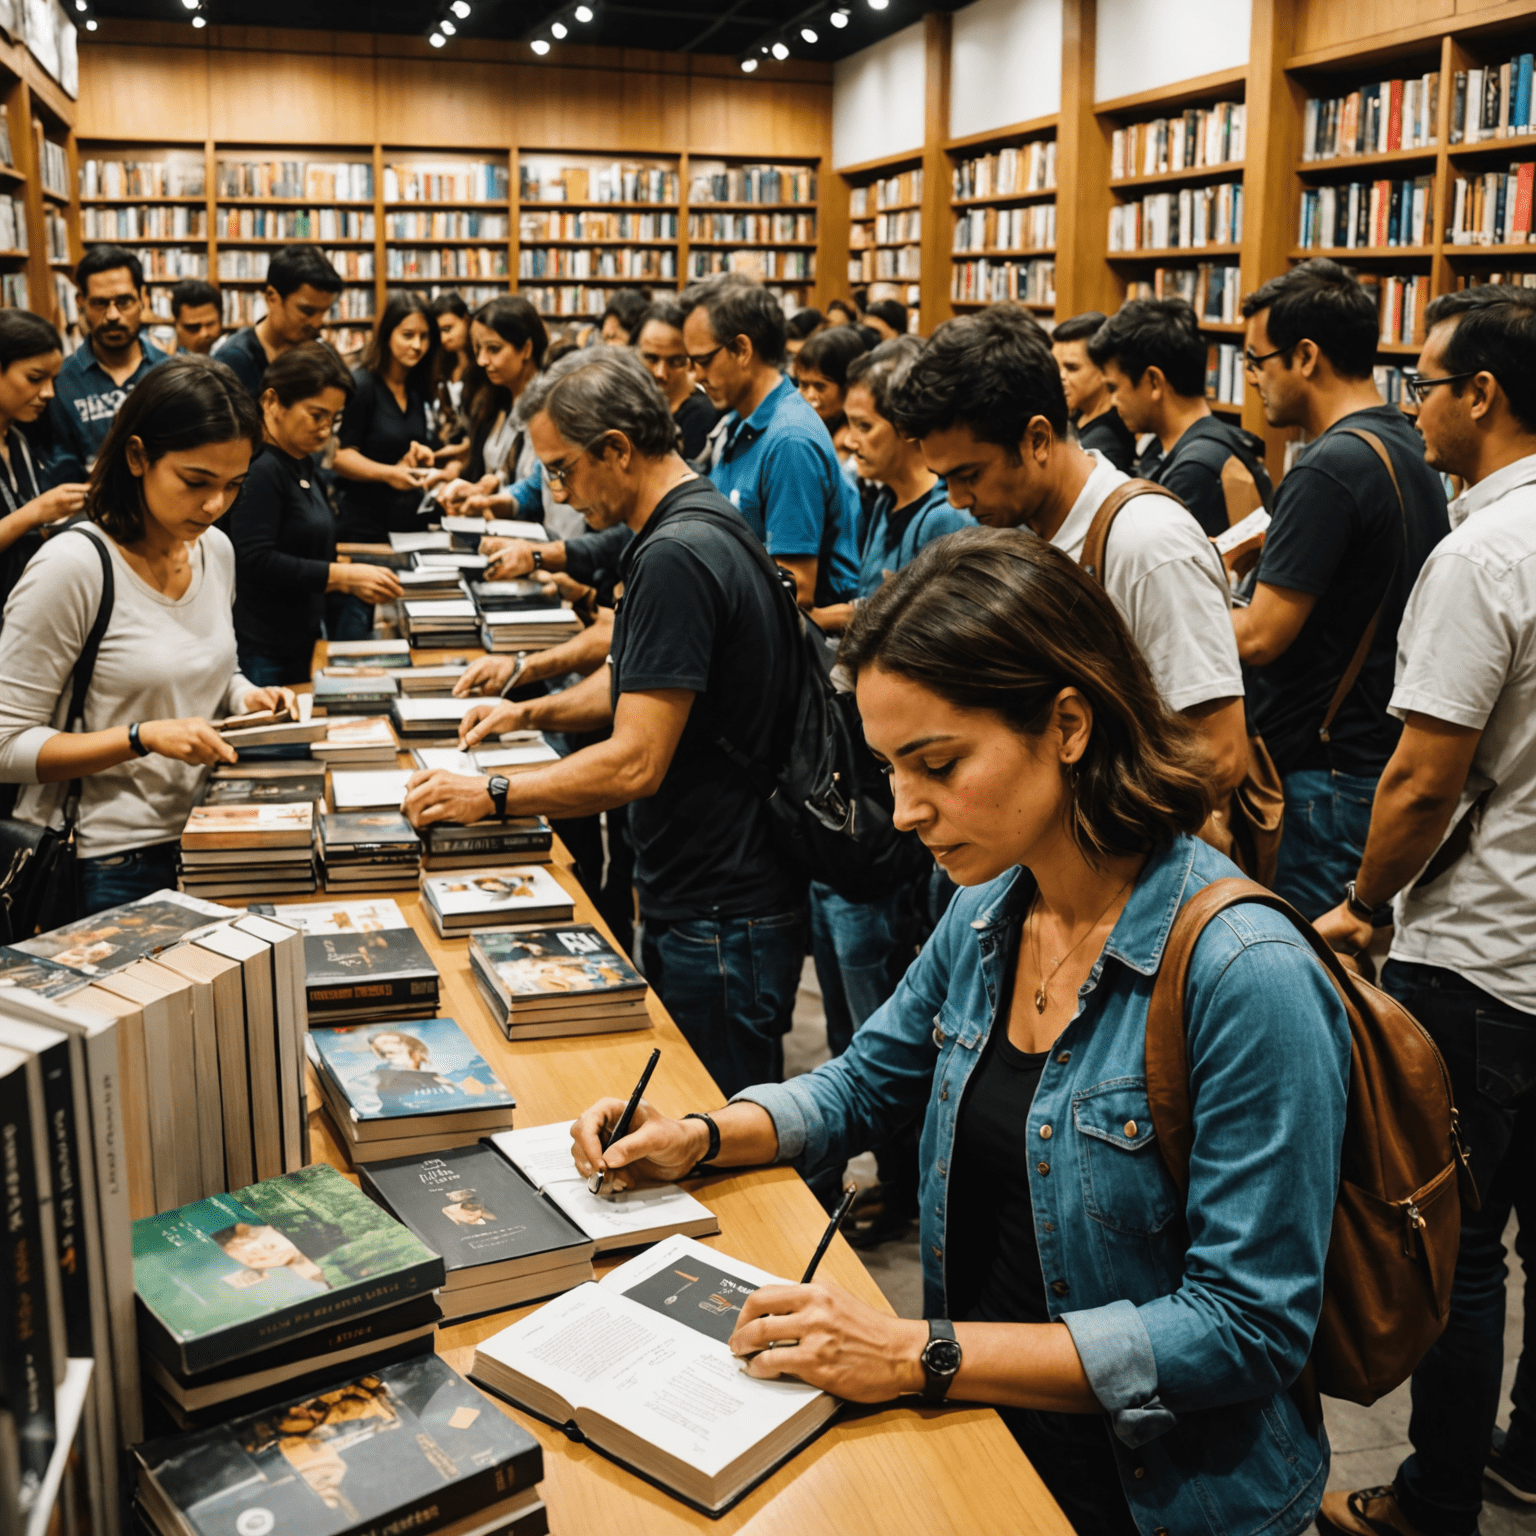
[
  {"x": 748, "y": 1137},
  {"x": 74, "y": 755},
  {"x": 1020, "y": 1365},
  {"x": 586, "y": 707},
  {"x": 583, "y": 653},
  {"x": 353, "y": 465},
  {"x": 1407, "y": 824},
  {"x": 601, "y": 777},
  {"x": 13, "y": 526}
]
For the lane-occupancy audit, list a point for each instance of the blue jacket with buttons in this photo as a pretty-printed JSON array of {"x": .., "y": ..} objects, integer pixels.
[{"x": 1190, "y": 1325}]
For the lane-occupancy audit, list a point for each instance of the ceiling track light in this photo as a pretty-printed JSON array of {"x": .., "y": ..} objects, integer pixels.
[
  {"x": 90, "y": 25},
  {"x": 559, "y": 30},
  {"x": 437, "y": 40},
  {"x": 810, "y": 35},
  {"x": 780, "y": 50},
  {"x": 840, "y": 17},
  {"x": 460, "y": 8},
  {"x": 878, "y": 5},
  {"x": 199, "y": 22},
  {"x": 749, "y": 65},
  {"x": 584, "y": 14},
  {"x": 540, "y": 46}
]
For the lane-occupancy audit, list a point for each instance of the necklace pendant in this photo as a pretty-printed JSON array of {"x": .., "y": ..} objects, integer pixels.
[{"x": 1040, "y": 998}]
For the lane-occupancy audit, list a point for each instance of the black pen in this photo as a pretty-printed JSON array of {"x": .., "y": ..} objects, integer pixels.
[
  {"x": 621, "y": 1129},
  {"x": 843, "y": 1207}
]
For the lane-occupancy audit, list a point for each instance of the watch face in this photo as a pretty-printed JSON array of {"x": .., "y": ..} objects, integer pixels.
[{"x": 942, "y": 1357}]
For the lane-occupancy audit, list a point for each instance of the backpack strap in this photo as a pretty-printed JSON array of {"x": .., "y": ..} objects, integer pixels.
[
  {"x": 1092, "y": 557},
  {"x": 1363, "y": 649},
  {"x": 1167, "y": 1052},
  {"x": 85, "y": 664}
]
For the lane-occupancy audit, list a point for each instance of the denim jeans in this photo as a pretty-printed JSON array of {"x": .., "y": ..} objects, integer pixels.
[
  {"x": 270, "y": 669},
  {"x": 1326, "y": 818},
  {"x": 730, "y": 984},
  {"x": 117, "y": 878},
  {"x": 1490, "y": 1052},
  {"x": 348, "y": 617}
]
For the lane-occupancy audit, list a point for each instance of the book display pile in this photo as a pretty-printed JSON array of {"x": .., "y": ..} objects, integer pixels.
[
  {"x": 366, "y": 742},
  {"x": 252, "y": 849},
  {"x": 498, "y": 897},
  {"x": 561, "y": 980},
  {"x": 376, "y": 849},
  {"x": 527, "y": 629}
]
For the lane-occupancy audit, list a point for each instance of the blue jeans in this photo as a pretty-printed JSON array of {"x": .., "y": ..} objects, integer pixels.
[
  {"x": 1490, "y": 1052},
  {"x": 730, "y": 984},
  {"x": 1326, "y": 818},
  {"x": 269, "y": 669},
  {"x": 117, "y": 878},
  {"x": 348, "y": 617}
]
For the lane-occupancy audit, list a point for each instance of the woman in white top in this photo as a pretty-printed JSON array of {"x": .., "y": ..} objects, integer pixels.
[{"x": 171, "y": 466}]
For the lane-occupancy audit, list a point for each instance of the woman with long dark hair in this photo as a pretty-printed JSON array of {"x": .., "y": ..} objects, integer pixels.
[
  {"x": 171, "y": 467},
  {"x": 1139, "y": 1341},
  {"x": 31, "y": 355},
  {"x": 453, "y": 362}
]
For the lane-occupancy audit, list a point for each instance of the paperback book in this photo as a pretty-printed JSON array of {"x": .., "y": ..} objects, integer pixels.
[
  {"x": 43, "y": 978},
  {"x": 526, "y": 893},
  {"x": 231, "y": 787},
  {"x": 109, "y": 941},
  {"x": 563, "y": 979}
]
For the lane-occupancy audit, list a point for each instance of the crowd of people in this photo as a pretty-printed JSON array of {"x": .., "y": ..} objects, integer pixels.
[{"x": 1065, "y": 679}]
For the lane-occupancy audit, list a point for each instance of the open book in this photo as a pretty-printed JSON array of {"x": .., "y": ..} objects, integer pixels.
[
  {"x": 543, "y": 1154},
  {"x": 639, "y": 1363}
]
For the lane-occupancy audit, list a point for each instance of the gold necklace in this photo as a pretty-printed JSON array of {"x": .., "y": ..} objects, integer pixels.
[{"x": 1041, "y": 1000}]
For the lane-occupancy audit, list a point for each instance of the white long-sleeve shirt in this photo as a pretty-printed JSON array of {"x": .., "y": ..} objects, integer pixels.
[{"x": 160, "y": 659}]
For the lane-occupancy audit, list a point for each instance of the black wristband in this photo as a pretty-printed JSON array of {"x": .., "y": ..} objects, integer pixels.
[
  {"x": 714, "y": 1140},
  {"x": 496, "y": 787},
  {"x": 139, "y": 749},
  {"x": 1378, "y": 916}
]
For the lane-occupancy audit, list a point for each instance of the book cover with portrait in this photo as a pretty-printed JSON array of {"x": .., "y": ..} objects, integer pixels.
[
  {"x": 571, "y": 959},
  {"x": 416, "y": 1067}
]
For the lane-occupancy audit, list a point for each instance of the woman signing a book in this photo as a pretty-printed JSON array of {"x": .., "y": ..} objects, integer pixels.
[
  {"x": 1139, "y": 1347},
  {"x": 157, "y": 580}
]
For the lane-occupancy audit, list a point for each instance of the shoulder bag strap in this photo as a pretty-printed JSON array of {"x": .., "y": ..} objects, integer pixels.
[
  {"x": 1092, "y": 557},
  {"x": 1167, "y": 1053},
  {"x": 1363, "y": 649},
  {"x": 85, "y": 663}
]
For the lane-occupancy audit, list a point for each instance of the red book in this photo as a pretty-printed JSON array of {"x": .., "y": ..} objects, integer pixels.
[
  {"x": 1395, "y": 117},
  {"x": 1520, "y": 225}
]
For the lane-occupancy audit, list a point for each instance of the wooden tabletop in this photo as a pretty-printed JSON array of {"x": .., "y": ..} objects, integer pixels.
[{"x": 886, "y": 1472}]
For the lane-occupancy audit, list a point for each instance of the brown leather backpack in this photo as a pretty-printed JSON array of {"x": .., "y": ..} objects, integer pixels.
[
  {"x": 1247, "y": 827},
  {"x": 1402, "y": 1176}
]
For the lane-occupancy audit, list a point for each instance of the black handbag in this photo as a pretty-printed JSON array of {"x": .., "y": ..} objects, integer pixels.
[{"x": 39, "y": 890}]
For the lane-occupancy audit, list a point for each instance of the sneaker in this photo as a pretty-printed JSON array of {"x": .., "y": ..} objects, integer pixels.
[
  {"x": 1512, "y": 1479},
  {"x": 1366, "y": 1512}
]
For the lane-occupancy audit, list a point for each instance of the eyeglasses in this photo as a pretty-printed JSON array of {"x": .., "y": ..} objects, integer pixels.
[
  {"x": 671, "y": 362},
  {"x": 124, "y": 304},
  {"x": 701, "y": 363},
  {"x": 1419, "y": 385},
  {"x": 1253, "y": 361},
  {"x": 560, "y": 474}
]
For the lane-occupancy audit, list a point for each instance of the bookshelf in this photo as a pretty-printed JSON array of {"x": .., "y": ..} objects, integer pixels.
[
  {"x": 1003, "y": 217},
  {"x": 751, "y": 215},
  {"x": 885, "y": 225}
]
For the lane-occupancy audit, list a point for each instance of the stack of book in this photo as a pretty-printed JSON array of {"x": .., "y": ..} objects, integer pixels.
[
  {"x": 368, "y": 849},
  {"x": 253, "y": 849},
  {"x": 430, "y": 719},
  {"x": 435, "y": 680},
  {"x": 368, "y": 653},
  {"x": 466, "y": 532},
  {"x": 408, "y": 1446},
  {"x": 565, "y": 979},
  {"x": 440, "y": 623},
  {"x": 367, "y": 789},
  {"x": 429, "y": 583},
  {"x": 528, "y": 629},
  {"x": 210, "y": 1020},
  {"x": 417, "y": 540},
  {"x": 361, "y": 961},
  {"x": 356, "y": 690},
  {"x": 466, "y": 562},
  {"x": 265, "y": 728},
  {"x": 275, "y": 782},
  {"x": 515, "y": 752},
  {"x": 241, "y": 1296},
  {"x": 501, "y": 1242},
  {"x": 484, "y": 844},
  {"x": 368, "y": 742},
  {"x": 396, "y": 1090},
  {"x": 509, "y": 596},
  {"x": 498, "y": 897}
]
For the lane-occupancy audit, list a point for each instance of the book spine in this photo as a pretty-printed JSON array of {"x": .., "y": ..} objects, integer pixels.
[
  {"x": 494, "y": 842},
  {"x": 401, "y": 989},
  {"x": 1523, "y": 180},
  {"x": 69, "y": 1223},
  {"x": 192, "y": 1357}
]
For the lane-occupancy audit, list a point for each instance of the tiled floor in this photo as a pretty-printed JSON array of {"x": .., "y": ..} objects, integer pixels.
[{"x": 1368, "y": 1443}]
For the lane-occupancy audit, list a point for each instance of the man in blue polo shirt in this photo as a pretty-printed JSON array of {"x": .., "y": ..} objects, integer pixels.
[
  {"x": 771, "y": 457},
  {"x": 96, "y": 378}
]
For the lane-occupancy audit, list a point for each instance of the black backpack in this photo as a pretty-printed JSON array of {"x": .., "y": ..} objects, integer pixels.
[{"x": 831, "y": 802}]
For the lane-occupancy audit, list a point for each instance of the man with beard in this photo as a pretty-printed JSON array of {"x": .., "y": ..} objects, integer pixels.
[{"x": 96, "y": 378}]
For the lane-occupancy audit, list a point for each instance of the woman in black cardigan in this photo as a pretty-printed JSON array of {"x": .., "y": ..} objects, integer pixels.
[{"x": 283, "y": 529}]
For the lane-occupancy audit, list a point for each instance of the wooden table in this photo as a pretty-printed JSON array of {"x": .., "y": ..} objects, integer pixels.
[{"x": 885, "y": 1472}]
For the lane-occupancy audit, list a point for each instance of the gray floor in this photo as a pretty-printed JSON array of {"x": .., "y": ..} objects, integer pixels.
[{"x": 1368, "y": 1443}]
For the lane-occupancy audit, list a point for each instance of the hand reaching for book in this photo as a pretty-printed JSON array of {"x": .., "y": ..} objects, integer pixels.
[
  {"x": 656, "y": 1151},
  {"x": 490, "y": 720},
  {"x": 187, "y": 741},
  {"x": 442, "y": 796}
]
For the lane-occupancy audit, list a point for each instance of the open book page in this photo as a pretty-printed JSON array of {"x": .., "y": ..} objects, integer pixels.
[
  {"x": 645, "y": 1350},
  {"x": 543, "y": 1152}
]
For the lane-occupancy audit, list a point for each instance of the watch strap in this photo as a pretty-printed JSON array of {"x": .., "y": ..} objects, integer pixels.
[
  {"x": 496, "y": 787},
  {"x": 713, "y": 1150},
  {"x": 1377, "y": 917},
  {"x": 936, "y": 1384},
  {"x": 138, "y": 747}
]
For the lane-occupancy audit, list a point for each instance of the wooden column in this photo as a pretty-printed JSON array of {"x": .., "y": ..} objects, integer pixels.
[
  {"x": 1083, "y": 279},
  {"x": 937, "y": 235}
]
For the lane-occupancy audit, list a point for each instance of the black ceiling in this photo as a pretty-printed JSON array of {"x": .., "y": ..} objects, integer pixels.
[{"x": 703, "y": 26}]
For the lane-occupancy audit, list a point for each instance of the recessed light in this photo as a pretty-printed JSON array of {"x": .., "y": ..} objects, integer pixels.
[
  {"x": 839, "y": 18},
  {"x": 540, "y": 46},
  {"x": 583, "y": 14},
  {"x": 437, "y": 39},
  {"x": 90, "y": 26},
  {"x": 460, "y": 8},
  {"x": 781, "y": 51},
  {"x": 809, "y": 34},
  {"x": 446, "y": 27},
  {"x": 559, "y": 29},
  {"x": 748, "y": 66},
  {"x": 199, "y": 22}
]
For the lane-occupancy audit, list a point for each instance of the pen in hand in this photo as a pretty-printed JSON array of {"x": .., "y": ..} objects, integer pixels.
[
  {"x": 621, "y": 1126},
  {"x": 850, "y": 1194}
]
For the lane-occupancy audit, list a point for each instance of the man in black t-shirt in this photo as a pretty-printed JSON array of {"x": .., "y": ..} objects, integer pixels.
[
  {"x": 1089, "y": 405},
  {"x": 1152, "y": 356},
  {"x": 301, "y": 288},
  {"x": 1339, "y": 550},
  {"x": 700, "y": 651}
]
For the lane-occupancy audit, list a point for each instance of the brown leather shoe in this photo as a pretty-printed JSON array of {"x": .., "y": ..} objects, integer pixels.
[{"x": 1366, "y": 1512}]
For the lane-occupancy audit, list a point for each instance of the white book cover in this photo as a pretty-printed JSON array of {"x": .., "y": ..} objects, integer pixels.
[
  {"x": 343, "y": 916},
  {"x": 495, "y": 527},
  {"x": 523, "y": 755},
  {"x": 498, "y": 895},
  {"x": 410, "y": 543},
  {"x": 367, "y": 789},
  {"x": 439, "y": 608},
  {"x": 454, "y": 710},
  {"x": 524, "y": 617}
]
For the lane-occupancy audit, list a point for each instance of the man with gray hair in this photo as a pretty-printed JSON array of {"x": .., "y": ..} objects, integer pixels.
[{"x": 701, "y": 653}]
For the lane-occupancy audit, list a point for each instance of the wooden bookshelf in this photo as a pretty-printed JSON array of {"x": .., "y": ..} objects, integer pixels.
[
  {"x": 1003, "y": 216},
  {"x": 753, "y": 215},
  {"x": 885, "y": 224}
]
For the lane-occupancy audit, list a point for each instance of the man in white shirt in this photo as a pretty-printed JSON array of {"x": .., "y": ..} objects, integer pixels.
[
  {"x": 1452, "y": 842},
  {"x": 986, "y": 403}
]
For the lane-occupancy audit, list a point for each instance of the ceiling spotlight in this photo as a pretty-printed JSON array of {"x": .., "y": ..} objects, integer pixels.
[
  {"x": 446, "y": 27},
  {"x": 460, "y": 8},
  {"x": 79, "y": 5},
  {"x": 839, "y": 18},
  {"x": 560, "y": 30},
  {"x": 780, "y": 51},
  {"x": 199, "y": 22},
  {"x": 540, "y": 46},
  {"x": 878, "y": 5},
  {"x": 748, "y": 66},
  {"x": 90, "y": 26},
  {"x": 191, "y": 5},
  {"x": 437, "y": 39},
  {"x": 584, "y": 14},
  {"x": 809, "y": 34}
]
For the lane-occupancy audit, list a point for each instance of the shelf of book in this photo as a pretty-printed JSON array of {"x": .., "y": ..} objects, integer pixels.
[{"x": 885, "y": 226}]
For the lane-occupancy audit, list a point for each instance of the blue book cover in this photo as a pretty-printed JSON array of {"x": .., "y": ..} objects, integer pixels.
[
  {"x": 1520, "y": 117},
  {"x": 418, "y": 1067}
]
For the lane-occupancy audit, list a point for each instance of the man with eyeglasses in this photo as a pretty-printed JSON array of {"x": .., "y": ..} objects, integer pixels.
[
  {"x": 97, "y": 377},
  {"x": 1319, "y": 637},
  {"x": 1450, "y": 842}
]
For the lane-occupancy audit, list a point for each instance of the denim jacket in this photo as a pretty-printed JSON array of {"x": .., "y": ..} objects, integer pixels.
[{"x": 1190, "y": 1324}]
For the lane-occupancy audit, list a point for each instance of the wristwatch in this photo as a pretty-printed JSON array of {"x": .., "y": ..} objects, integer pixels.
[
  {"x": 139, "y": 749},
  {"x": 1377, "y": 917},
  {"x": 941, "y": 1359},
  {"x": 538, "y": 559},
  {"x": 713, "y": 1150},
  {"x": 496, "y": 787}
]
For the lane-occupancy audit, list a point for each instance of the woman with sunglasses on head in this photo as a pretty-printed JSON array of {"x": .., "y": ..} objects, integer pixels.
[
  {"x": 1139, "y": 1345},
  {"x": 171, "y": 467},
  {"x": 282, "y": 527}
]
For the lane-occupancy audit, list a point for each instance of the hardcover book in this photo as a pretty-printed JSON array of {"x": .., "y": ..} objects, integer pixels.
[
  {"x": 348, "y": 972},
  {"x": 248, "y": 789},
  {"x": 522, "y": 894},
  {"x": 369, "y": 789},
  {"x": 249, "y": 826},
  {"x": 108, "y": 941},
  {"x": 410, "y": 1447},
  {"x": 43, "y": 978},
  {"x": 226, "y": 1277},
  {"x": 358, "y": 834},
  {"x": 567, "y": 961}
]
